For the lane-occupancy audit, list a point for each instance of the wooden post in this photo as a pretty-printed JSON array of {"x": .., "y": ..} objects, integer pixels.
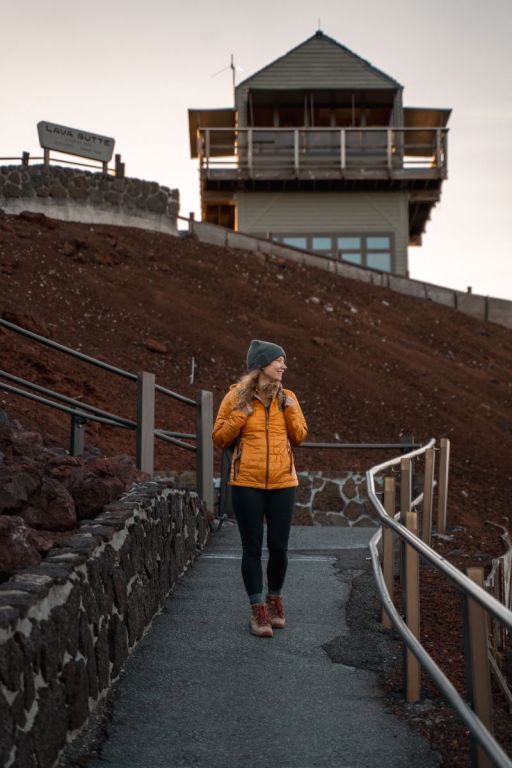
[
  {"x": 207, "y": 131},
  {"x": 145, "y": 432},
  {"x": 343, "y": 151},
  {"x": 204, "y": 427},
  {"x": 405, "y": 506},
  {"x": 428, "y": 494},
  {"x": 405, "y": 488},
  {"x": 199, "y": 147},
  {"x": 119, "y": 168},
  {"x": 296, "y": 152},
  {"x": 388, "y": 556},
  {"x": 477, "y": 666},
  {"x": 46, "y": 155},
  {"x": 412, "y": 666},
  {"x": 438, "y": 149},
  {"x": 249, "y": 150},
  {"x": 389, "y": 147},
  {"x": 444, "y": 465}
]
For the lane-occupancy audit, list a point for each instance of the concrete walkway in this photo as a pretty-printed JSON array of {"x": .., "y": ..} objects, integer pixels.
[{"x": 201, "y": 692}]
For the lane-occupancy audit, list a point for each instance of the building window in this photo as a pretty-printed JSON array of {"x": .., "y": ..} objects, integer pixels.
[
  {"x": 296, "y": 242},
  {"x": 374, "y": 251},
  {"x": 349, "y": 243},
  {"x": 322, "y": 243}
]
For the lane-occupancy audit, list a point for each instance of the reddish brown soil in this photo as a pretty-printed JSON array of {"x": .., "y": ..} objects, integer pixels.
[{"x": 368, "y": 365}]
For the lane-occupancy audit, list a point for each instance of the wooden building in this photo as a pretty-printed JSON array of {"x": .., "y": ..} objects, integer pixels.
[{"x": 319, "y": 152}]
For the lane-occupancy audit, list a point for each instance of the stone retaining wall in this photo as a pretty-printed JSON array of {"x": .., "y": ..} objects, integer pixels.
[
  {"x": 92, "y": 198},
  {"x": 325, "y": 498},
  {"x": 68, "y": 625}
]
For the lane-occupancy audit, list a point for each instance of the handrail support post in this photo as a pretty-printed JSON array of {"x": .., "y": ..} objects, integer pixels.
[
  {"x": 477, "y": 666},
  {"x": 444, "y": 465},
  {"x": 388, "y": 557},
  {"x": 428, "y": 492},
  {"x": 145, "y": 432},
  {"x": 77, "y": 440},
  {"x": 411, "y": 586},
  {"x": 204, "y": 427}
]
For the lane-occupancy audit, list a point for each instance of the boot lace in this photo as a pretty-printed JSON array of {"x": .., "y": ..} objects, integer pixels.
[
  {"x": 262, "y": 616},
  {"x": 277, "y": 607}
]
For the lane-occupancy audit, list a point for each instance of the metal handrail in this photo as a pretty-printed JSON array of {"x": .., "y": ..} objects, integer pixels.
[
  {"x": 144, "y": 427},
  {"x": 57, "y": 161},
  {"x": 465, "y": 584},
  {"x": 72, "y": 411},
  {"x": 89, "y": 359},
  {"x": 120, "y": 420},
  {"x": 361, "y": 446},
  {"x": 457, "y": 577}
]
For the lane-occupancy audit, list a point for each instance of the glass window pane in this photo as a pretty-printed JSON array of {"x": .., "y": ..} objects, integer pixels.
[
  {"x": 297, "y": 242},
  {"x": 354, "y": 258},
  {"x": 349, "y": 243},
  {"x": 322, "y": 243},
  {"x": 379, "y": 243},
  {"x": 380, "y": 261}
]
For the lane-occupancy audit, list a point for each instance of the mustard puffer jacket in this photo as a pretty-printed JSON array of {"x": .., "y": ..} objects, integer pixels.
[{"x": 264, "y": 457}]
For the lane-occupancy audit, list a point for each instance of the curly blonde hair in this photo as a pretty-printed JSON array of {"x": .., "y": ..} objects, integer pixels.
[{"x": 247, "y": 388}]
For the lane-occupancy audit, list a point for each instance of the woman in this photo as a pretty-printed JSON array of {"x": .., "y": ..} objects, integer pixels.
[{"x": 265, "y": 420}]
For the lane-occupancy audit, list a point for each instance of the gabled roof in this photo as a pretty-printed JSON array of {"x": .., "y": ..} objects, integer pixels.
[{"x": 342, "y": 67}]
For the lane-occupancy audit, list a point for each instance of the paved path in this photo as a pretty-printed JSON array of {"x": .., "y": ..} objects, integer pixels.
[{"x": 200, "y": 692}]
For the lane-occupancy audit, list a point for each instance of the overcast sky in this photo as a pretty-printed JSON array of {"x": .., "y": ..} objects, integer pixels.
[{"x": 131, "y": 70}]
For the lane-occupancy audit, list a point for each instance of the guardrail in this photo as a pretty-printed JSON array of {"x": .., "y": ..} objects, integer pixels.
[
  {"x": 26, "y": 158},
  {"x": 477, "y": 715},
  {"x": 252, "y": 151},
  {"x": 144, "y": 425}
]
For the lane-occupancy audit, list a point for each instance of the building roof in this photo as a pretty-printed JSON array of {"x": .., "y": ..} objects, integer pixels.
[{"x": 343, "y": 68}]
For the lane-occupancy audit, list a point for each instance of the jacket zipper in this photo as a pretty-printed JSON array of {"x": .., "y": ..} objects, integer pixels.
[
  {"x": 267, "y": 418},
  {"x": 236, "y": 461}
]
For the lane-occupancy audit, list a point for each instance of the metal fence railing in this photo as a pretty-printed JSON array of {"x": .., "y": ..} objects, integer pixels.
[
  {"x": 144, "y": 426},
  {"x": 413, "y": 526},
  {"x": 26, "y": 158}
]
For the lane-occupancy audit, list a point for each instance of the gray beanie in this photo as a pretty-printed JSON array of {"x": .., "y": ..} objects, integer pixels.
[{"x": 262, "y": 353}]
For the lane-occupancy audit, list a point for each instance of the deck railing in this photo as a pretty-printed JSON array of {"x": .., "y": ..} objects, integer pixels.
[{"x": 256, "y": 152}]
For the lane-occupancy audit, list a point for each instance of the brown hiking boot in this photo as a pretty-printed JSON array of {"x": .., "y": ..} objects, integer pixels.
[
  {"x": 260, "y": 622},
  {"x": 276, "y": 611}
]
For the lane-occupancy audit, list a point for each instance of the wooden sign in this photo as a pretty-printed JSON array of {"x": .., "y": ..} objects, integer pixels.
[{"x": 75, "y": 142}]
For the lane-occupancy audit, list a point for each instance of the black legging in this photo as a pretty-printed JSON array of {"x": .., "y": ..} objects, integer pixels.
[{"x": 251, "y": 506}]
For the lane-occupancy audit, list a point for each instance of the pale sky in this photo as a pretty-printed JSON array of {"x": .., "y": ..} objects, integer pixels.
[{"x": 131, "y": 70}]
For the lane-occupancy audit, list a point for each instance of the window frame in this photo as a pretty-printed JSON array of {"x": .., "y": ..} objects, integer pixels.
[{"x": 335, "y": 253}]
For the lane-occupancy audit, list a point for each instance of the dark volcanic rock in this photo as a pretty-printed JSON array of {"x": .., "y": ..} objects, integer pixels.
[
  {"x": 52, "y": 508},
  {"x": 91, "y": 493},
  {"x": 19, "y": 479},
  {"x": 16, "y": 550}
]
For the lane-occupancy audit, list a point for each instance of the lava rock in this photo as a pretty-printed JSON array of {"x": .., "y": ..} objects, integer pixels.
[{"x": 16, "y": 548}]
